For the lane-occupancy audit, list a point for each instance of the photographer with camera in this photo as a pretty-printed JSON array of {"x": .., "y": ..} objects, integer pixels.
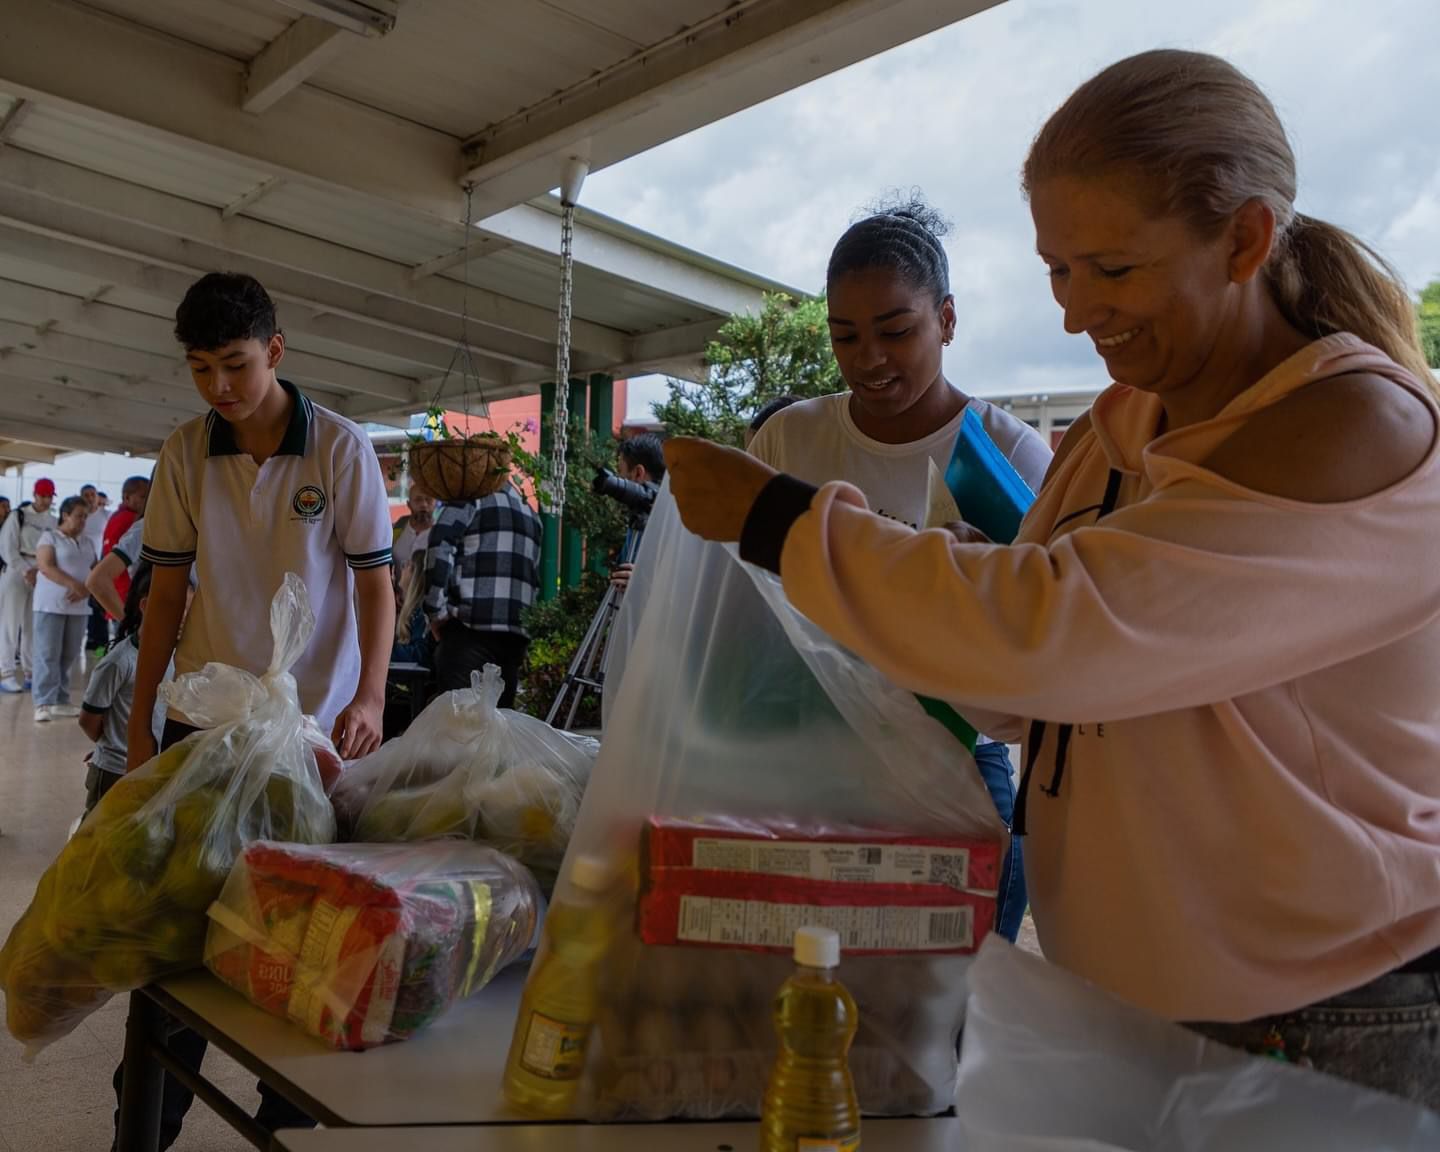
[{"x": 635, "y": 485}]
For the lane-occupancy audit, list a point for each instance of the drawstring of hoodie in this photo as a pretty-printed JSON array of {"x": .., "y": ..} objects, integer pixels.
[{"x": 1036, "y": 736}]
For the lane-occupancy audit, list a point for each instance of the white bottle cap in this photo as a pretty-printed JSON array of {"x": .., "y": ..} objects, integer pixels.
[
  {"x": 817, "y": 947},
  {"x": 590, "y": 873}
]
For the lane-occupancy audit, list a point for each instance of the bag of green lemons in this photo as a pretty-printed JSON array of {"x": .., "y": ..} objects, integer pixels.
[{"x": 124, "y": 903}]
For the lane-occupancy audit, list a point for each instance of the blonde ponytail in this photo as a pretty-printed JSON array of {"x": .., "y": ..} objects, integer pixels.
[
  {"x": 1205, "y": 140},
  {"x": 1326, "y": 280}
]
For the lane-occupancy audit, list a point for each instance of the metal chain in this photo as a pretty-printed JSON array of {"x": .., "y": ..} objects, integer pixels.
[{"x": 558, "y": 464}]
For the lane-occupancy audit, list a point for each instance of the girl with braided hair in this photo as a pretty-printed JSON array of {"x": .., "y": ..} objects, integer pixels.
[
  {"x": 1218, "y": 629},
  {"x": 891, "y": 316}
]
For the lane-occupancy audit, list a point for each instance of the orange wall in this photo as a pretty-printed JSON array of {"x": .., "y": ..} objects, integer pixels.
[{"x": 520, "y": 415}]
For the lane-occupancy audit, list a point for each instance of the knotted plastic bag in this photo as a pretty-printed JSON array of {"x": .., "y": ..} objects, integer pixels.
[
  {"x": 467, "y": 767},
  {"x": 124, "y": 903}
]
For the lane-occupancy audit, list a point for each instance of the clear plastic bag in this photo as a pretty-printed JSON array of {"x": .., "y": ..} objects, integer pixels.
[
  {"x": 755, "y": 777},
  {"x": 1054, "y": 1064},
  {"x": 124, "y": 903},
  {"x": 467, "y": 767},
  {"x": 364, "y": 944}
]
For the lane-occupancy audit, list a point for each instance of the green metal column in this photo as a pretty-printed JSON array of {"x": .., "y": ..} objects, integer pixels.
[
  {"x": 602, "y": 421},
  {"x": 550, "y": 539},
  {"x": 572, "y": 547}
]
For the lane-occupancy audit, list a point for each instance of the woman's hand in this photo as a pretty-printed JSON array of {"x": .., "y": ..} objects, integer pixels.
[
  {"x": 714, "y": 487},
  {"x": 967, "y": 533}
]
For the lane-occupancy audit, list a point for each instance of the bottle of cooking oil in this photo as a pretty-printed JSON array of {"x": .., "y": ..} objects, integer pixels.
[
  {"x": 810, "y": 1098},
  {"x": 557, "y": 1011}
]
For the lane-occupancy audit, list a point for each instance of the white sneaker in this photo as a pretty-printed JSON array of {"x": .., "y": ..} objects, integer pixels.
[
  {"x": 68, "y": 711},
  {"x": 42, "y": 714},
  {"x": 11, "y": 686}
]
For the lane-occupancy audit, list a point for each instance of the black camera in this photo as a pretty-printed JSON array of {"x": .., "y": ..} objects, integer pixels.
[{"x": 639, "y": 498}]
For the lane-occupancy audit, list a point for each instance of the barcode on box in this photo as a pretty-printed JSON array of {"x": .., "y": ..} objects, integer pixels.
[
  {"x": 949, "y": 868},
  {"x": 951, "y": 927},
  {"x": 763, "y": 924}
]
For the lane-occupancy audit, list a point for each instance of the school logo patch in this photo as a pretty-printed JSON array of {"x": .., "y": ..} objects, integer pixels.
[{"x": 309, "y": 502}]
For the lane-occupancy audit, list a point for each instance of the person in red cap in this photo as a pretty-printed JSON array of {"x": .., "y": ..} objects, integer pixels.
[{"x": 19, "y": 537}]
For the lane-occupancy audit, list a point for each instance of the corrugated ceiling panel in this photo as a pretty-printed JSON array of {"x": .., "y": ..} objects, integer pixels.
[
  {"x": 354, "y": 222},
  {"x": 134, "y": 156}
]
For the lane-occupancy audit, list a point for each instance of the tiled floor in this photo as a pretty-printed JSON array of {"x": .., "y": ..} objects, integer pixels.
[{"x": 63, "y": 1102}]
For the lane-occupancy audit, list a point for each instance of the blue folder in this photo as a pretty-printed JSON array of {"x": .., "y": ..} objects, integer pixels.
[{"x": 988, "y": 491}]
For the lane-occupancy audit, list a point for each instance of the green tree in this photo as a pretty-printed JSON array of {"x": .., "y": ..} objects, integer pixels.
[
  {"x": 1428, "y": 311},
  {"x": 783, "y": 351}
]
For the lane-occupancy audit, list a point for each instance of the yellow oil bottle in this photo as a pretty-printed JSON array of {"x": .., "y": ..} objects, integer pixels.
[
  {"x": 557, "y": 1011},
  {"x": 810, "y": 1097}
]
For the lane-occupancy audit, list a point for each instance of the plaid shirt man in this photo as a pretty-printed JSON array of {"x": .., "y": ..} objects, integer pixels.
[{"x": 482, "y": 567}]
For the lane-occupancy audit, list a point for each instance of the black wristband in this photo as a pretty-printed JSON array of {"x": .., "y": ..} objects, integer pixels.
[{"x": 780, "y": 503}]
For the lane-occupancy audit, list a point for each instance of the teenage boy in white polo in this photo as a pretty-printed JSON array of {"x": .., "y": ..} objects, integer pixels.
[{"x": 265, "y": 483}]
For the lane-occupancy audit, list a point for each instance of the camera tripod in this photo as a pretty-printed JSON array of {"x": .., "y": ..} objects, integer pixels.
[{"x": 587, "y": 670}]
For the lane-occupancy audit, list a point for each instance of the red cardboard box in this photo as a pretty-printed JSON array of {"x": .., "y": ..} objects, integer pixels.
[{"x": 843, "y": 856}]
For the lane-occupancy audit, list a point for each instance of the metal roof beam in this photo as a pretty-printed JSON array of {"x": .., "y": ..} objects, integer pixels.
[
  {"x": 12, "y": 119},
  {"x": 70, "y": 437},
  {"x": 537, "y": 228},
  {"x": 20, "y": 453},
  {"x": 289, "y": 60},
  {"x": 749, "y": 51},
  {"x": 167, "y": 285},
  {"x": 122, "y": 326},
  {"x": 43, "y": 402},
  {"x": 68, "y": 353},
  {"x": 113, "y": 69},
  {"x": 184, "y": 233},
  {"x": 173, "y": 398}
]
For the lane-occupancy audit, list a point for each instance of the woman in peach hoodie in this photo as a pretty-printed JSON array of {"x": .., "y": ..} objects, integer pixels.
[{"x": 1219, "y": 630}]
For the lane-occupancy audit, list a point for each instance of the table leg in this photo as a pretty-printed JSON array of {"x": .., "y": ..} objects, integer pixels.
[{"x": 144, "y": 1081}]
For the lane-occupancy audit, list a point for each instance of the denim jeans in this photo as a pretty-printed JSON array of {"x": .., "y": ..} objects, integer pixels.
[
  {"x": 58, "y": 642},
  {"x": 993, "y": 760},
  {"x": 1384, "y": 1035}
]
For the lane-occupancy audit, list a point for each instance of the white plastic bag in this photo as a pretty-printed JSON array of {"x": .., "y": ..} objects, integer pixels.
[
  {"x": 1054, "y": 1064},
  {"x": 124, "y": 903},
  {"x": 467, "y": 767},
  {"x": 754, "y": 777}
]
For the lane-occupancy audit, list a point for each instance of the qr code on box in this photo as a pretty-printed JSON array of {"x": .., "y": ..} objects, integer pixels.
[{"x": 950, "y": 869}]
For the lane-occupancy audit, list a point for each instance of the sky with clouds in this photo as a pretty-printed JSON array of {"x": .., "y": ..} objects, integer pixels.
[{"x": 771, "y": 188}]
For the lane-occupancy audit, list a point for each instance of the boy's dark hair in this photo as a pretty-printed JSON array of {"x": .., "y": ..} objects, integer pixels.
[
  {"x": 779, "y": 404},
  {"x": 69, "y": 504},
  {"x": 903, "y": 235},
  {"x": 133, "y": 485},
  {"x": 221, "y": 307},
  {"x": 89, "y": 486},
  {"x": 103, "y": 494},
  {"x": 646, "y": 449},
  {"x": 139, "y": 589}
]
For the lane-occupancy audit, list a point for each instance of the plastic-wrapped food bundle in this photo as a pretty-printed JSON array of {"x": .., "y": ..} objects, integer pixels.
[
  {"x": 363, "y": 944},
  {"x": 124, "y": 903},
  {"x": 718, "y": 838},
  {"x": 467, "y": 767}
]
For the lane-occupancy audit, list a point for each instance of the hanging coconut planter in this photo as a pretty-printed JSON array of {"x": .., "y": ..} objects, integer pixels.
[{"x": 463, "y": 468}]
